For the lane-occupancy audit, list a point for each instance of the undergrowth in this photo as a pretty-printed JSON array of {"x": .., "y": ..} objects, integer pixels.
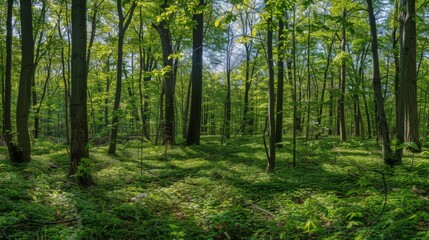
[{"x": 212, "y": 191}]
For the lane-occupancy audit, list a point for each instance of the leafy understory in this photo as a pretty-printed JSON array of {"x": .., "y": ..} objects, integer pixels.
[{"x": 336, "y": 191}]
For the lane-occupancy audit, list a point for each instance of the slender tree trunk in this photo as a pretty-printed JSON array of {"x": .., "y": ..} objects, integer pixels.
[
  {"x": 124, "y": 22},
  {"x": 295, "y": 118},
  {"x": 107, "y": 90},
  {"x": 395, "y": 48},
  {"x": 160, "y": 125},
  {"x": 79, "y": 120},
  {"x": 7, "y": 116},
  {"x": 307, "y": 132},
  {"x": 227, "y": 119},
  {"x": 280, "y": 83},
  {"x": 341, "y": 102},
  {"x": 65, "y": 72},
  {"x": 146, "y": 62},
  {"x": 271, "y": 99},
  {"x": 325, "y": 79},
  {"x": 331, "y": 107},
  {"x": 36, "y": 62},
  {"x": 382, "y": 122},
  {"x": 196, "y": 78},
  {"x": 45, "y": 86},
  {"x": 247, "y": 85},
  {"x": 186, "y": 111}
]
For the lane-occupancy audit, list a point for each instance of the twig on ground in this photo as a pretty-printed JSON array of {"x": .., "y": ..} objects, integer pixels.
[{"x": 263, "y": 210}]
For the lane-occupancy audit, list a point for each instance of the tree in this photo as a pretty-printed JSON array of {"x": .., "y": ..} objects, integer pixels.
[
  {"x": 341, "y": 101},
  {"x": 247, "y": 21},
  {"x": 26, "y": 76},
  {"x": 79, "y": 155},
  {"x": 271, "y": 99},
  {"x": 408, "y": 122},
  {"x": 227, "y": 112},
  {"x": 7, "y": 119},
  {"x": 167, "y": 50},
  {"x": 376, "y": 83},
  {"x": 295, "y": 126},
  {"x": 194, "y": 128},
  {"x": 123, "y": 24},
  {"x": 147, "y": 63},
  {"x": 65, "y": 70},
  {"x": 280, "y": 80}
]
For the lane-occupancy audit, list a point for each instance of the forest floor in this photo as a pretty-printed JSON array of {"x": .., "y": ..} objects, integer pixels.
[{"x": 337, "y": 190}]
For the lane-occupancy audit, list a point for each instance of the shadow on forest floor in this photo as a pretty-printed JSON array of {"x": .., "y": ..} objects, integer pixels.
[{"x": 337, "y": 190}]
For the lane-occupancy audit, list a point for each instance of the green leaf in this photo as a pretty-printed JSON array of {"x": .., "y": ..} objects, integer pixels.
[{"x": 309, "y": 226}]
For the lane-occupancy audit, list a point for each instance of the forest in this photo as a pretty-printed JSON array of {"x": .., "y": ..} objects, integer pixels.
[{"x": 214, "y": 119}]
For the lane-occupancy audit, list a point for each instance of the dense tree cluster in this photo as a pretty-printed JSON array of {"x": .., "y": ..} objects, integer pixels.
[{"x": 170, "y": 70}]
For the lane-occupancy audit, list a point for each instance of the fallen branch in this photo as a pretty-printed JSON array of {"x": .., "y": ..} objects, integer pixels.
[{"x": 263, "y": 210}]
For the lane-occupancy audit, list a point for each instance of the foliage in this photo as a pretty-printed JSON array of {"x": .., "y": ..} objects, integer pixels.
[{"x": 336, "y": 191}]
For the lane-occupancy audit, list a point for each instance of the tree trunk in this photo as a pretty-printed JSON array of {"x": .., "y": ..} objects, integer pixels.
[
  {"x": 194, "y": 129},
  {"x": 271, "y": 100},
  {"x": 295, "y": 122},
  {"x": 325, "y": 79},
  {"x": 307, "y": 132},
  {"x": 280, "y": 83},
  {"x": 186, "y": 111},
  {"x": 122, "y": 27},
  {"x": 65, "y": 76},
  {"x": 37, "y": 57},
  {"x": 382, "y": 122},
  {"x": 227, "y": 117},
  {"x": 408, "y": 127},
  {"x": 167, "y": 50},
  {"x": 341, "y": 102},
  {"x": 26, "y": 76},
  {"x": 7, "y": 116},
  {"x": 331, "y": 108},
  {"x": 79, "y": 168},
  {"x": 146, "y": 64},
  {"x": 106, "y": 100}
]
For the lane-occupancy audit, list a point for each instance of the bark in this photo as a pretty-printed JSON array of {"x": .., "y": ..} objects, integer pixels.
[
  {"x": 186, "y": 111},
  {"x": 79, "y": 167},
  {"x": 7, "y": 116},
  {"x": 26, "y": 76},
  {"x": 123, "y": 24},
  {"x": 169, "y": 123},
  {"x": 341, "y": 102},
  {"x": 408, "y": 127},
  {"x": 381, "y": 116},
  {"x": 295, "y": 114},
  {"x": 194, "y": 129},
  {"x": 271, "y": 100},
  {"x": 280, "y": 83},
  {"x": 227, "y": 119},
  {"x": 395, "y": 48},
  {"x": 307, "y": 132},
  {"x": 167, "y": 50},
  {"x": 106, "y": 100}
]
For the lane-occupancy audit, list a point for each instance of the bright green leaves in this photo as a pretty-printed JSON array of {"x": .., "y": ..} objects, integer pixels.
[
  {"x": 227, "y": 18},
  {"x": 84, "y": 167}
]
